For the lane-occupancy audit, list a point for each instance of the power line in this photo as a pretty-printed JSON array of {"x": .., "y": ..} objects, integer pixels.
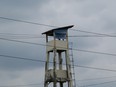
[
  {"x": 17, "y": 20},
  {"x": 29, "y": 22},
  {"x": 95, "y": 68},
  {"x": 101, "y": 34},
  {"x": 26, "y": 37},
  {"x": 41, "y": 84},
  {"x": 95, "y": 52},
  {"x": 17, "y": 34},
  {"x": 96, "y": 78},
  {"x": 35, "y": 35},
  {"x": 35, "y": 60},
  {"x": 99, "y": 83},
  {"x": 81, "y": 50},
  {"x": 23, "y": 58},
  {"x": 21, "y": 37},
  {"x": 20, "y": 85},
  {"x": 21, "y": 41},
  {"x": 41, "y": 37},
  {"x": 91, "y": 36}
]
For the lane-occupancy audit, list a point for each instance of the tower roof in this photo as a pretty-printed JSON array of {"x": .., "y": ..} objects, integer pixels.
[{"x": 50, "y": 32}]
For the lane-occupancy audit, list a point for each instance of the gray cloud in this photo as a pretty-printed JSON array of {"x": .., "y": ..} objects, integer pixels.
[
  {"x": 21, "y": 50},
  {"x": 89, "y": 15}
]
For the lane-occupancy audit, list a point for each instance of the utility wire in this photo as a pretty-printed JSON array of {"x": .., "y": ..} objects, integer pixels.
[
  {"x": 101, "y": 34},
  {"x": 81, "y": 50},
  {"x": 20, "y": 85},
  {"x": 95, "y": 68},
  {"x": 16, "y": 34},
  {"x": 17, "y": 20},
  {"x": 96, "y": 78},
  {"x": 23, "y": 58},
  {"x": 22, "y": 41},
  {"x": 91, "y": 36},
  {"x": 29, "y": 22},
  {"x": 99, "y": 83},
  {"x": 41, "y": 84},
  {"x": 21, "y": 37},
  {"x": 95, "y": 52},
  {"x": 35, "y": 35},
  {"x": 41, "y": 37},
  {"x": 35, "y": 60}
]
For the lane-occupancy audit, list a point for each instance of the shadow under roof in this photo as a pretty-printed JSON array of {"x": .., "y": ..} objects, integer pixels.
[{"x": 50, "y": 32}]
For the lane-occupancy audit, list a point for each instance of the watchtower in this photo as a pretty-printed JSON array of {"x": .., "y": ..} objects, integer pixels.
[{"x": 57, "y": 47}]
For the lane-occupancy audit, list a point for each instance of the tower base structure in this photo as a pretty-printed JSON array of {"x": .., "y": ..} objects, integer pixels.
[{"x": 58, "y": 50}]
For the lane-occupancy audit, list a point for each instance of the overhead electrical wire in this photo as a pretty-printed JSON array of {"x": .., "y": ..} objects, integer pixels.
[
  {"x": 96, "y": 78},
  {"x": 28, "y": 22},
  {"x": 95, "y": 52},
  {"x": 17, "y": 20},
  {"x": 91, "y": 36},
  {"x": 41, "y": 84},
  {"x": 20, "y": 36},
  {"x": 99, "y": 83},
  {"x": 101, "y": 34},
  {"x": 20, "y": 85},
  {"x": 21, "y": 41},
  {"x": 39, "y": 36},
  {"x": 17, "y": 34},
  {"x": 96, "y": 68},
  {"x": 23, "y": 58},
  {"x": 43, "y": 61},
  {"x": 88, "y": 51}
]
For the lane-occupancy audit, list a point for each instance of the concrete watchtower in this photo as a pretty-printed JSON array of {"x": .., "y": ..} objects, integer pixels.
[{"x": 58, "y": 48}]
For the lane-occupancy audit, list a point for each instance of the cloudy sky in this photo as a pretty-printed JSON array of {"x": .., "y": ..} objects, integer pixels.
[{"x": 97, "y": 16}]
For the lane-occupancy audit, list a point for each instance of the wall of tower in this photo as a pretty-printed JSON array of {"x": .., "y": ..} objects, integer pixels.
[{"x": 59, "y": 45}]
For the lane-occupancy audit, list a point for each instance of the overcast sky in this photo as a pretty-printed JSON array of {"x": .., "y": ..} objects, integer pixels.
[{"x": 89, "y": 15}]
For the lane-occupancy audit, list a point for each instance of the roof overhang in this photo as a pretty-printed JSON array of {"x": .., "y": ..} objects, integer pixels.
[{"x": 50, "y": 32}]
